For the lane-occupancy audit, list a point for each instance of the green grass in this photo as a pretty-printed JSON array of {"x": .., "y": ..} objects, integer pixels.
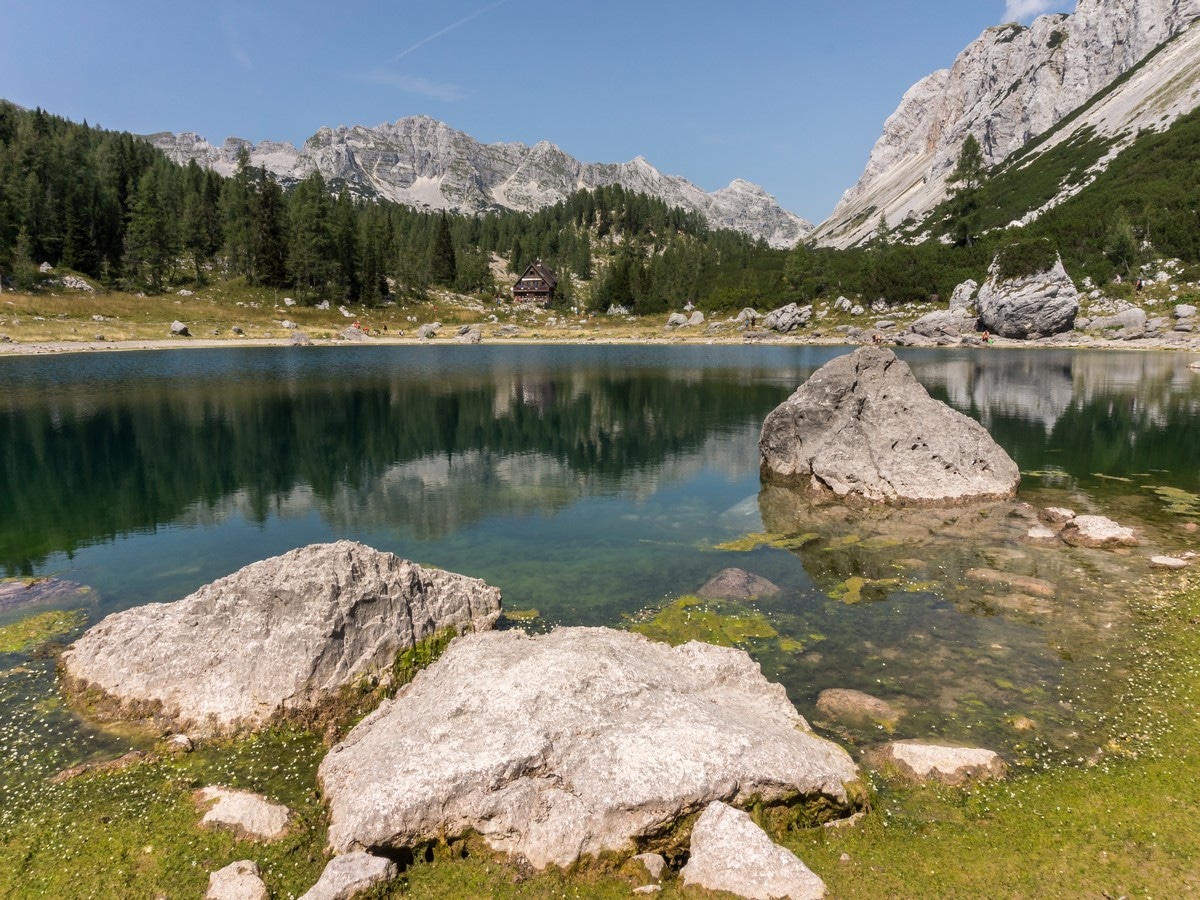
[{"x": 1120, "y": 822}]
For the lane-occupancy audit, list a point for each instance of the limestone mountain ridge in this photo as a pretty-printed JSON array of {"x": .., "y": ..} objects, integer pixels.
[
  {"x": 1109, "y": 70},
  {"x": 424, "y": 163}
]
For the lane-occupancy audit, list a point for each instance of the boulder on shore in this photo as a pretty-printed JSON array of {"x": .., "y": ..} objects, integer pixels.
[
  {"x": 730, "y": 853},
  {"x": 279, "y": 636},
  {"x": 862, "y": 427},
  {"x": 1041, "y": 304},
  {"x": 572, "y": 743}
]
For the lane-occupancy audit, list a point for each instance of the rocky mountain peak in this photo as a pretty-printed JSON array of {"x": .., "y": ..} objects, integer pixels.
[
  {"x": 1007, "y": 87},
  {"x": 425, "y": 163}
]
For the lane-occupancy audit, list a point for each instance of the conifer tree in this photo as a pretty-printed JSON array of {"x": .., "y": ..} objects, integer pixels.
[{"x": 966, "y": 179}]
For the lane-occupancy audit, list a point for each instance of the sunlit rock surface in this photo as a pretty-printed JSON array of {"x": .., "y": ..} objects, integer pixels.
[
  {"x": 863, "y": 428},
  {"x": 730, "y": 853},
  {"x": 281, "y": 635},
  {"x": 1040, "y": 304},
  {"x": 573, "y": 743}
]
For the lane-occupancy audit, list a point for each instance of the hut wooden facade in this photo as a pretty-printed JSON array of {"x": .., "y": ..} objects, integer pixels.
[{"x": 536, "y": 285}]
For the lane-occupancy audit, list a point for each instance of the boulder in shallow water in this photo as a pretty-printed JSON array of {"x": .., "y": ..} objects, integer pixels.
[
  {"x": 737, "y": 584},
  {"x": 572, "y": 743},
  {"x": 1098, "y": 532},
  {"x": 863, "y": 428},
  {"x": 280, "y": 636},
  {"x": 922, "y": 761}
]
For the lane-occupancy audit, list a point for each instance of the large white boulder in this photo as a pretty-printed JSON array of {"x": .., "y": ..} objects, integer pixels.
[
  {"x": 572, "y": 743},
  {"x": 282, "y": 635},
  {"x": 1043, "y": 303},
  {"x": 862, "y": 427}
]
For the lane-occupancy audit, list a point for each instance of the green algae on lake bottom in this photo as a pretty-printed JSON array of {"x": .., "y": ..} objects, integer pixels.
[
  {"x": 723, "y": 622},
  {"x": 775, "y": 541},
  {"x": 26, "y": 634}
]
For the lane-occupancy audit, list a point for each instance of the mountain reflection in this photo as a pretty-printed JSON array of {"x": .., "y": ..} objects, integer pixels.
[
  {"x": 426, "y": 442},
  {"x": 422, "y": 455}
]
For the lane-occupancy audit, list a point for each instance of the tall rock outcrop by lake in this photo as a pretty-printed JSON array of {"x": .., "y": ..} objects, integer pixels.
[
  {"x": 1014, "y": 84},
  {"x": 1035, "y": 305},
  {"x": 281, "y": 636},
  {"x": 863, "y": 428}
]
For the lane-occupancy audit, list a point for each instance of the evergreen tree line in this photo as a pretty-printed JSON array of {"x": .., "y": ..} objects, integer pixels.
[
  {"x": 115, "y": 209},
  {"x": 112, "y": 207}
]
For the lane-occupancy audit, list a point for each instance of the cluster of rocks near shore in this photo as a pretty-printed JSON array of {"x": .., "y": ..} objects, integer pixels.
[
  {"x": 1044, "y": 307},
  {"x": 580, "y": 743}
]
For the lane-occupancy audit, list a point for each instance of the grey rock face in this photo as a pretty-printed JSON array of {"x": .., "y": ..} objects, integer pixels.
[
  {"x": 1013, "y": 84},
  {"x": 428, "y": 331},
  {"x": 943, "y": 323},
  {"x": 788, "y": 318},
  {"x": 1099, "y": 532},
  {"x": 1042, "y": 304},
  {"x": 280, "y": 635},
  {"x": 677, "y": 320},
  {"x": 1126, "y": 318},
  {"x": 862, "y": 427},
  {"x": 963, "y": 295},
  {"x": 569, "y": 744},
  {"x": 179, "y": 329},
  {"x": 730, "y": 853},
  {"x": 348, "y": 875}
]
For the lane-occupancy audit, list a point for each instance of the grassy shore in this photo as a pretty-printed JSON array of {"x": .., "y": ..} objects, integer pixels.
[
  {"x": 233, "y": 313},
  {"x": 1121, "y": 822}
]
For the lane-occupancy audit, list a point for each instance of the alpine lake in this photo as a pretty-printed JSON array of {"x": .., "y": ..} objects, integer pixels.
[{"x": 603, "y": 485}]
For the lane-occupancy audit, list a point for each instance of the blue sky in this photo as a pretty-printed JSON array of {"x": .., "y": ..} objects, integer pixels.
[{"x": 788, "y": 94}]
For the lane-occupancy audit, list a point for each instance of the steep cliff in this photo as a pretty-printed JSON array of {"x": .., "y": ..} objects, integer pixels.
[
  {"x": 425, "y": 163},
  {"x": 1014, "y": 84}
]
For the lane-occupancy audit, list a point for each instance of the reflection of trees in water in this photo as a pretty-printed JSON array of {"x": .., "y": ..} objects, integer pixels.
[{"x": 76, "y": 473}]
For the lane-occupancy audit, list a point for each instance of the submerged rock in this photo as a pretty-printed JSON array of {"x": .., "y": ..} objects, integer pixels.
[
  {"x": 280, "y": 636},
  {"x": 862, "y": 427},
  {"x": 737, "y": 584},
  {"x": 730, "y": 853},
  {"x": 572, "y": 743},
  {"x": 851, "y": 707},
  {"x": 1098, "y": 532}
]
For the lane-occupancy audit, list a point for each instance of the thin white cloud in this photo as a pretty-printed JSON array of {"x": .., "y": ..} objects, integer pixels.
[
  {"x": 235, "y": 22},
  {"x": 1024, "y": 10},
  {"x": 437, "y": 34},
  {"x": 412, "y": 84}
]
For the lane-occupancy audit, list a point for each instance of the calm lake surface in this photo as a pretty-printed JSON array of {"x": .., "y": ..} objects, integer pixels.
[{"x": 597, "y": 485}]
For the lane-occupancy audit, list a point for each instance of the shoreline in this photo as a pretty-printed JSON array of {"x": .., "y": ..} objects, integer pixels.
[{"x": 1070, "y": 341}]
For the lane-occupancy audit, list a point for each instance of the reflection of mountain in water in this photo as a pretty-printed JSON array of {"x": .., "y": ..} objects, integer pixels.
[
  {"x": 418, "y": 454},
  {"x": 1086, "y": 411}
]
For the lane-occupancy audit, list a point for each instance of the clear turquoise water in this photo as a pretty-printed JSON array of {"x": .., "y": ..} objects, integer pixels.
[{"x": 590, "y": 483}]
